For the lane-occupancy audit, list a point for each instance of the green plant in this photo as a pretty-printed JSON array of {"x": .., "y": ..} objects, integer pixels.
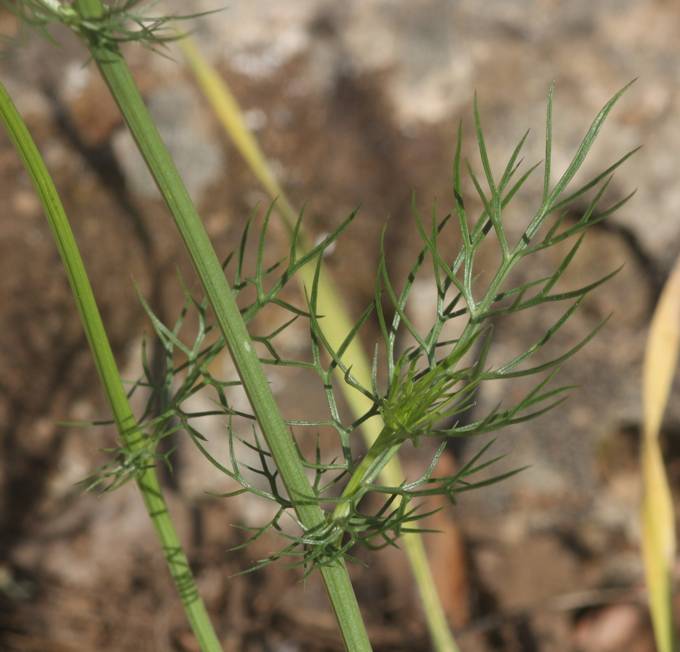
[
  {"x": 417, "y": 393},
  {"x": 336, "y": 324},
  {"x": 138, "y": 457},
  {"x": 431, "y": 382},
  {"x": 102, "y": 30}
]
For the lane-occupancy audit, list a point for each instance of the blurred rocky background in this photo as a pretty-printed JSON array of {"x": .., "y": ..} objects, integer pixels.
[{"x": 355, "y": 103}]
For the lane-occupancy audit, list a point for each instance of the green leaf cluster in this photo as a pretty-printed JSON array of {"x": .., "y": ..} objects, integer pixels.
[
  {"x": 421, "y": 391},
  {"x": 122, "y": 21}
]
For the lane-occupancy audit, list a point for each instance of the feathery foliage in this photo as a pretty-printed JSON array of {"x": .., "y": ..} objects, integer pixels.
[
  {"x": 427, "y": 386},
  {"x": 122, "y": 21}
]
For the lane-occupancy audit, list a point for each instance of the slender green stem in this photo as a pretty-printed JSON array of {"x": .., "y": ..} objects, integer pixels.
[
  {"x": 336, "y": 326},
  {"x": 117, "y": 75},
  {"x": 378, "y": 455},
  {"x": 128, "y": 428}
]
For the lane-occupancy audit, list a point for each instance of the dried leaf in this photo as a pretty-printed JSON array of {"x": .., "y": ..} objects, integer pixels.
[{"x": 658, "y": 525}]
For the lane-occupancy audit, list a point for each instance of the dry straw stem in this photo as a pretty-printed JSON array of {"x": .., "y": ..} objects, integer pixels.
[
  {"x": 130, "y": 433},
  {"x": 658, "y": 522},
  {"x": 336, "y": 325}
]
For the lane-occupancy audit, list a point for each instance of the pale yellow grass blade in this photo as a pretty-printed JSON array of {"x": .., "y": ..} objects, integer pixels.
[
  {"x": 330, "y": 304},
  {"x": 658, "y": 524}
]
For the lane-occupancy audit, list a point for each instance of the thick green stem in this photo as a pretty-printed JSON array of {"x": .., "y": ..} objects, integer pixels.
[
  {"x": 128, "y": 428},
  {"x": 115, "y": 72}
]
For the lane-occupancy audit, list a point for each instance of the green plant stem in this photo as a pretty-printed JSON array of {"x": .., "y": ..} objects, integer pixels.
[
  {"x": 336, "y": 326},
  {"x": 117, "y": 75},
  {"x": 129, "y": 431},
  {"x": 379, "y": 454}
]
